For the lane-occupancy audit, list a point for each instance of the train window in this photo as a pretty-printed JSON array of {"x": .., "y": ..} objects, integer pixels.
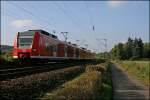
[
  {"x": 54, "y": 48},
  {"x": 25, "y": 41},
  {"x": 50, "y": 47}
]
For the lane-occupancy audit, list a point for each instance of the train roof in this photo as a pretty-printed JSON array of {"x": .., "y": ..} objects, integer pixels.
[{"x": 45, "y": 33}]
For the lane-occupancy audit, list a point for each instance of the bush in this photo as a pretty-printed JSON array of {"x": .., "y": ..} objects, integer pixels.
[{"x": 6, "y": 58}]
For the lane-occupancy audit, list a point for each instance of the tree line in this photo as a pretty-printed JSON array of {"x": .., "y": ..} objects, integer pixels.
[{"x": 133, "y": 49}]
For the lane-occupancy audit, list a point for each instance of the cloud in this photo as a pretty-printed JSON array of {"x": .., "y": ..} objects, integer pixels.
[
  {"x": 21, "y": 23},
  {"x": 27, "y": 24},
  {"x": 115, "y": 3}
]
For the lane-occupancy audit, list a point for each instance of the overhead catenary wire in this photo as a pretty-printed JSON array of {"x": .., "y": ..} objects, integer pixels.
[
  {"x": 47, "y": 18},
  {"x": 30, "y": 13},
  {"x": 79, "y": 25},
  {"x": 9, "y": 14},
  {"x": 68, "y": 15},
  {"x": 92, "y": 26},
  {"x": 75, "y": 20},
  {"x": 90, "y": 17}
]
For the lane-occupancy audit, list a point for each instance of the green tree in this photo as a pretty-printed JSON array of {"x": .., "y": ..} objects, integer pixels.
[
  {"x": 138, "y": 48},
  {"x": 146, "y": 50},
  {"x": 129, "y": 48},
  {"x": 113, "y": 52},
  {"x": 132, "y": 49},
  {"x": 120, "y": 51},
  {"x": 135, "y": 49},
  {"x": 140, "y": 45}
]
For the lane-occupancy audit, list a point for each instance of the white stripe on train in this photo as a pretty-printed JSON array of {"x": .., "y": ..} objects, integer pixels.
[{"x": 50, "y": 57}]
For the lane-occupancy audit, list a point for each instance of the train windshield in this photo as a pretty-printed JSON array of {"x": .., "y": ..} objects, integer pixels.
[{"x": 25, "y": 40}]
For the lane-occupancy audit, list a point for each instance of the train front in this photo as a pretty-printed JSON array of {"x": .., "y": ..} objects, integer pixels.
[{"x": 23, "y": 45}]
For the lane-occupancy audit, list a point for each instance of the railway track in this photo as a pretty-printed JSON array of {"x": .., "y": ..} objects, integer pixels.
[
  {"x": 14, "y": 72},
  {"x": 13, "y": 66}
]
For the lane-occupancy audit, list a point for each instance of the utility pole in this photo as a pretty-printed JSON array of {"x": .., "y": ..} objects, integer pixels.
[
  {"x": 105, "y": 48},
  {"x": 65, "y": 34},
  {"x": 104, "y": 44}
]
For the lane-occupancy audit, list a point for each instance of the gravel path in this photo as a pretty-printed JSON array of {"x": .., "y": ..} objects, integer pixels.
[{"x": 125, "y": 87}]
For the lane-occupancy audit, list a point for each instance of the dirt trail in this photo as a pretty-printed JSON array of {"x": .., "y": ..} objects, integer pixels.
[{"x": 125, "y": 87}]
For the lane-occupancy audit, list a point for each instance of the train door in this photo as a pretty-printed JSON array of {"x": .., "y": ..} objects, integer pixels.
[
  {"x": 60, "y": 50},
  {"x": 47, "y": 45},
  {"x": 35, "y": 45}
]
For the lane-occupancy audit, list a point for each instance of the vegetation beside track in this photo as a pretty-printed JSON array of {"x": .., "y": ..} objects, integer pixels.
[
  {"x": 6, "y": 57},
  {"x": 94, "y": 84},
  {"x": 138, "y": 69},
  {"x": 30, "y": 87},
  {"x": 107, "y": 89}
]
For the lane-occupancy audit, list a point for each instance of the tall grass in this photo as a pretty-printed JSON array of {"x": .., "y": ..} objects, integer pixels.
[
  {"x": 106, "y": 93},
  {"x": 87, "y": 86},
  {"x": 138, "y": 69},
  {"x": 84, "y": 87}
]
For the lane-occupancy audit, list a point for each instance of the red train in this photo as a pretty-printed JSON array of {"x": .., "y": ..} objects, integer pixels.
[{"x": 39, "y": 44}]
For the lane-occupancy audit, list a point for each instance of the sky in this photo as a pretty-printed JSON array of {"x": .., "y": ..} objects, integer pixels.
[{"x": 88, "y": 23}]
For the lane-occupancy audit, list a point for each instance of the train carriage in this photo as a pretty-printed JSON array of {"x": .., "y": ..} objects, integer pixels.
[{"x": 39, "y": 44}]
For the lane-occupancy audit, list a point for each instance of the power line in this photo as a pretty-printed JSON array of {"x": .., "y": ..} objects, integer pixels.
[
  {"x": 68, "y": 15},
  {"x": 103, "y": 43},
  {"x": 65, "y": 34},
  {"x": 91, "y": 20},
  {"x": 30, "y": 13},
  {"x": 79, "y": 25},
  {"x": 9, "y": 15},
  {"x": 90, "y": 17},
  {"x": 33, "y": 6},
  {"x": 9, "y": 12},
  {"x": 93, "y": 26},
  {"x": 75, "y": 18}
]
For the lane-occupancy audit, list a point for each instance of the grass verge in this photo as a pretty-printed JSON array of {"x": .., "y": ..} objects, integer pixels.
[{"x": 138, "y": 69}]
